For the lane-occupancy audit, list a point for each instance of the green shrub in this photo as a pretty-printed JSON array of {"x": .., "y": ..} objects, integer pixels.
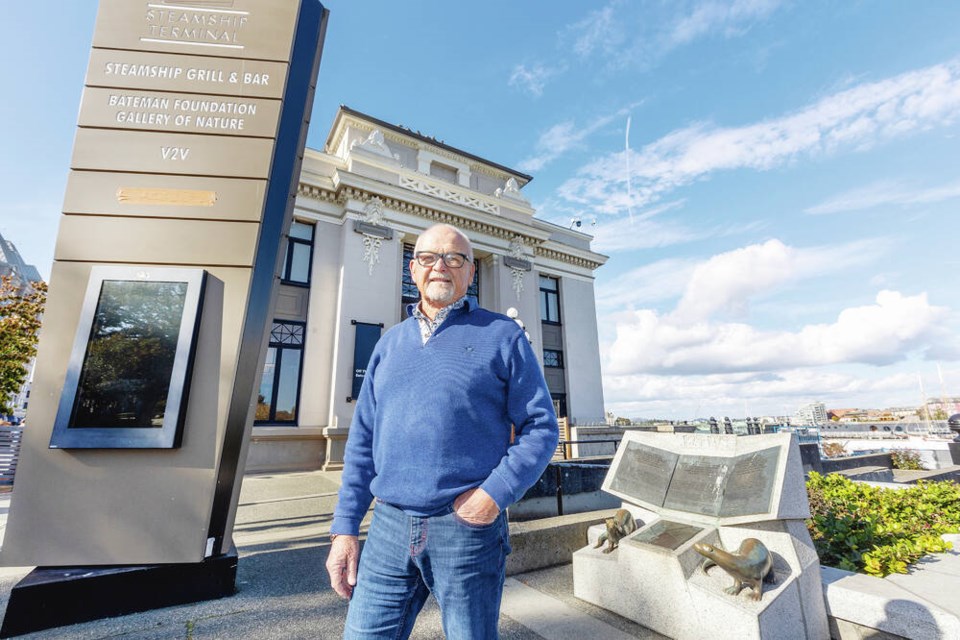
[
  {"x": 906, "y": 459},
  {"x": 858, "y": 527}
]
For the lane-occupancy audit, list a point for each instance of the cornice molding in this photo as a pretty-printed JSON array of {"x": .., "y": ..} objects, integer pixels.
[
  {"x": 347, "y": 192},
  {"x": 487, "y": 171},
  {"x": 344, "y": 193},
  {"x": 315, "y": 192},
  {"x": 562, "y": 256}
]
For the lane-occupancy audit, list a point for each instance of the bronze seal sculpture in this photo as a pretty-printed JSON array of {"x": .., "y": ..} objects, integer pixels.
[
  {"x": 750, "y": 566},
  {"x": 619, "y": 526}
]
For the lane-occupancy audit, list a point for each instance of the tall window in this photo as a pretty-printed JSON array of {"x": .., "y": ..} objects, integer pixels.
[
  {"x": 279, "y": 393},
  {"x": 559, "y": 404},
  {"x": 409, "y": 294},
  {"x": 553, "y": 358},
  {"x": 296, "y": 261},
  {"x": 549, "y": 300}
]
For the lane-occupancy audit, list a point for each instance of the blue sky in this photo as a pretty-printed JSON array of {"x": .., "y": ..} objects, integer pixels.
[{"x": 776, "y": 183}]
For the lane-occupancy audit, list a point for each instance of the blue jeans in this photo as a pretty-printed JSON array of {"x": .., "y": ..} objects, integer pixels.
[{"x": 405, "y": 558}]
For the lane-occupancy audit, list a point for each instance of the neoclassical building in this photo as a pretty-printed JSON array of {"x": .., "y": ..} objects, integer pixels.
[{"x": 361, "y": 204}]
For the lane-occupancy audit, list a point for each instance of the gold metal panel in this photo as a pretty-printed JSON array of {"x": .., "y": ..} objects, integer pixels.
[
  {"x": 197, "y": 74},
  {"x": 156, "y": 241},
  {"x": 175, "y": 153},
  {"x": 260, "y": 29},
  {"x": 179, "y": 112},
  {"x": 162, "y": 196}
]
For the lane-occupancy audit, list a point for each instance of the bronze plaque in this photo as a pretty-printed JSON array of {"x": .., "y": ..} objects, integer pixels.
[
  {"x": 697, "y": 485},
  {"x": 666, "y": 534},
  {"x": 644, "y": 473},
  {"x": 159, "y": 196},
  {"x": 194, "y": 74},
  {"x": 749, "y": 483},
  {"x": 172, "y": 153},
  {"x": 179, "y": 112},
  {"x": 261, "y": 29}
]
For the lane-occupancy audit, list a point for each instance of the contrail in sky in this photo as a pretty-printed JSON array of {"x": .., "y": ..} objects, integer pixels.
[{"x": 626, "y": 148}]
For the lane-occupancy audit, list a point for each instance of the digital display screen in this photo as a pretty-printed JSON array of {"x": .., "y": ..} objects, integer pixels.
[{"x": 126, "y": 373}]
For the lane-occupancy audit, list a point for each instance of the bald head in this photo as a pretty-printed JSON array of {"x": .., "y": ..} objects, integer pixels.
[{"x": 443, "y": 231}]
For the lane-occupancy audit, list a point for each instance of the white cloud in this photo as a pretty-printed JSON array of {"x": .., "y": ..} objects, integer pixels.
[
  {"x": 729, "y": 18},
  {"x": 637, "y": 34},
  {"x": 661, "y": 280},
  {"x": 552, "y": 143},
  {"x": 877, "y": 334},
  {"x": 727, "y": 281},
  {"x": 598, "y": 31},
  {"x": 531, "y": 79},
  {"x": 625, "y": 34},
  {"x": 643, "y": 231},
  {"x": 851, "y": 119},
  {"x": 885, "y": 193},
  {"x": 565, "y": 136}
]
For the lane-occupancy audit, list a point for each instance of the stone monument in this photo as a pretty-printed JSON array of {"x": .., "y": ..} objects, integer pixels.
[{"x": 710, "y": 491}]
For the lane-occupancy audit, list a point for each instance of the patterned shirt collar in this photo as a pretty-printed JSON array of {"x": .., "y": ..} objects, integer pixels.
[{"x": 427, "y": 326}]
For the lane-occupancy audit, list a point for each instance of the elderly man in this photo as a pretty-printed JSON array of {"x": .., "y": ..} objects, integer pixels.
[{"x": 431, "y": 442}]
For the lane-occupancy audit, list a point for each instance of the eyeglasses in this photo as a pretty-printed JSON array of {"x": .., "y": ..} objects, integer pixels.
[{"x": 452, "y": 259}]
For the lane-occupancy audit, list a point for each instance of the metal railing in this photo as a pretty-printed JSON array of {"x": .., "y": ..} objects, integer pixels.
[
  {"x": 557, "y": 465},
  {"x": 10, "y": 439},
  {"x": 562, "y": 445}
]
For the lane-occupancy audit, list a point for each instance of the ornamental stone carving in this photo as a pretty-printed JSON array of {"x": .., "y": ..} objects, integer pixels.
[
  {"x": 376, "y": 145},
  {"x": 518, "y": 263},
  {"x": 372, "y": 226},
  {"x": 373, "y": 212},
  {"x": 511, "y": 190}
]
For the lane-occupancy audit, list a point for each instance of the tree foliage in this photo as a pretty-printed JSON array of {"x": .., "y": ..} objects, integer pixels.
[{"x": 20, "y": 314}]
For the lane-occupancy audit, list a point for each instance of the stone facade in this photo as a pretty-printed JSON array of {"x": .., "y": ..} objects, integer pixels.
[{"x": 372, "y": 190}]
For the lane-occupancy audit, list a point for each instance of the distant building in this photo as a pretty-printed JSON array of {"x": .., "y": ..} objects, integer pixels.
[
  {"x": 943, "y": 407},
  {"x": 12, "y": 264},
  {"x": 902, "y": 413},
  {"x": 842, "y": 415},
  {"x": 362, "y": 202},
  {"x": 813, "y": 414}
]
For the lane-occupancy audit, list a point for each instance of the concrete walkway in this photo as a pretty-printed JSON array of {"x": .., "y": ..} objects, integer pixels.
[{"x": 283, "y": 592}]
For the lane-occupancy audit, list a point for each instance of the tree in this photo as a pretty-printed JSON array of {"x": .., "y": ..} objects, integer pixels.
[{"x": 21, "y": 309}]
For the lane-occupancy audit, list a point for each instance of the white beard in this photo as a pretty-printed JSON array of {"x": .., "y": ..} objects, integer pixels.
[{"x": 441, "y": 292}]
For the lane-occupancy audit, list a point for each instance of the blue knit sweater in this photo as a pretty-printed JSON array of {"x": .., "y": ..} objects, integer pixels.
[{"x": 433, "y": 420}]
